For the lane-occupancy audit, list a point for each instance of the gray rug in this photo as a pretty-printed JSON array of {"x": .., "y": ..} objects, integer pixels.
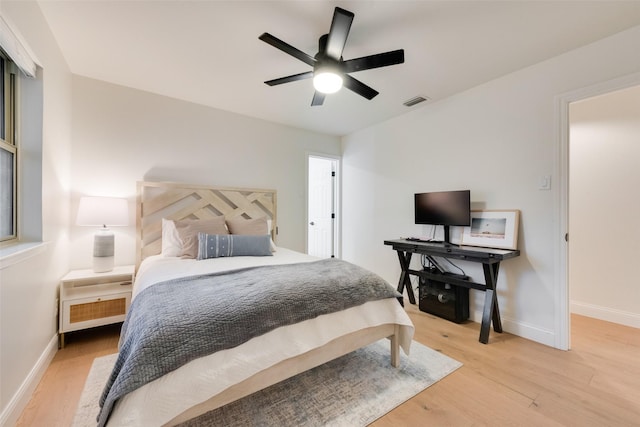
[{"x": 353, "y": 390}]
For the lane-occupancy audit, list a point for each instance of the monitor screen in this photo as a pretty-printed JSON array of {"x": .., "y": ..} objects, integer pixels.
[{"x": 443, "y": 208}]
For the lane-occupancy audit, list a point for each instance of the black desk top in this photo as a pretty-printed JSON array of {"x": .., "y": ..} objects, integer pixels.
[{"x": 470, "y": 253}]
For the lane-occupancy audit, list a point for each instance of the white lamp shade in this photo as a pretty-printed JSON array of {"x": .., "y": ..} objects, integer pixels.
[{"x": 103, "y": 211}]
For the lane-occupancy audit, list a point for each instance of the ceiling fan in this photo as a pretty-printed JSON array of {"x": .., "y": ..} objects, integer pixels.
[{"x": 330, "y": 71}]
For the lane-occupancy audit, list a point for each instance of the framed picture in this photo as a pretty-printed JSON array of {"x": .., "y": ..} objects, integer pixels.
[{"x": 492, "y": 229}]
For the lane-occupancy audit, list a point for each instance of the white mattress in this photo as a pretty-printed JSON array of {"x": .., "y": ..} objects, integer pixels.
[{"x": 165, "y": 398}]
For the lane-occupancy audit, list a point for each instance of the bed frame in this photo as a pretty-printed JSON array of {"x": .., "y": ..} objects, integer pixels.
[{"x": 157, "y": 200}]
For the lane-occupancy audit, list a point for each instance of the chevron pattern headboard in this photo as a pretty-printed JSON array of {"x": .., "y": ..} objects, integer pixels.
[{"x": 157, "y": 200}]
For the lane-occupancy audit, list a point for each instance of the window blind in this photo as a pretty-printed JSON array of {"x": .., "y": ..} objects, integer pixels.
[{"x": 16, "y": 50}]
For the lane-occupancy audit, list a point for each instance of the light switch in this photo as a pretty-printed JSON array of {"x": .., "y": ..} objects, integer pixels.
[{"x": 544, "y": 182}]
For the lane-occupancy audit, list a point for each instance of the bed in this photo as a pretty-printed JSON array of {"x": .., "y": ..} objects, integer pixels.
[{"x": 286, "y": 312}]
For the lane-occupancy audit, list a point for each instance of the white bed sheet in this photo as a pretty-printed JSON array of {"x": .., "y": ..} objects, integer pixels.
[{"x": 160, "y": 401}]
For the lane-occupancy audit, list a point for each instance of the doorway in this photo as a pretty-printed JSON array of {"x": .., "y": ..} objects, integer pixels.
[
  {"x": 603, "y": 206},
  {"x": 322, "y": 206},
  {"x": 563, "y": 312}
]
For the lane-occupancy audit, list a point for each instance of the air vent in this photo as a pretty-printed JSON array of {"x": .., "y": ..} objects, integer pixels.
[{"x": 416, "y": 100}]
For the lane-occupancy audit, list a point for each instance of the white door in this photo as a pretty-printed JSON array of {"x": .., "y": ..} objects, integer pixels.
[{"x": 321, "y": 201}]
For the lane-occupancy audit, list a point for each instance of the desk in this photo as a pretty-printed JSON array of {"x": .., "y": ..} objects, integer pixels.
[{"x": 490, "y": 259}]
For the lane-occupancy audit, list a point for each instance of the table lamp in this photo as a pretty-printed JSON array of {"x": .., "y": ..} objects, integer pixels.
[{"x": 103, "y": 212}]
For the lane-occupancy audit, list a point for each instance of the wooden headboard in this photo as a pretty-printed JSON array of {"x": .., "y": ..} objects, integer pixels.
[{"x": 157, "y": 200}]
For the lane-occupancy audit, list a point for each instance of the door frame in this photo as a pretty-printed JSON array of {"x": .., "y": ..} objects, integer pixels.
[
  {"x": 561, "y": 200},
  {"x": 337, "y": 223}
]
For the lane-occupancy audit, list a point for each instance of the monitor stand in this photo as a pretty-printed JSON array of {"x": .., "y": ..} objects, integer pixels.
[
  {"x": 447, "y": 239},
  {"x": 447, "y": 235}
]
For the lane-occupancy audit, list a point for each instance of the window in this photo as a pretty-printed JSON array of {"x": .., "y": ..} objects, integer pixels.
[{"x": 8, "y": 151}]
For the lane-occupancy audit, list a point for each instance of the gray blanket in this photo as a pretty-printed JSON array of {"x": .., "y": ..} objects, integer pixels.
[{"x": 174, "y": 322}]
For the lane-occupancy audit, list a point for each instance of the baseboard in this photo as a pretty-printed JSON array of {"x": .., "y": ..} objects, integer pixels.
[
  {"x": 521, "y": 329},
  {"x": 530, "y": 332},
  {"x": 607, "y": 314},
  {"x": 19, "y": 401}
]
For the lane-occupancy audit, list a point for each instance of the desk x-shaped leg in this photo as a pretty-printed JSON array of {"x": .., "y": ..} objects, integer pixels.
[
  {"x": 491, "y": 310},
  {"x": 405, "y": 280}
]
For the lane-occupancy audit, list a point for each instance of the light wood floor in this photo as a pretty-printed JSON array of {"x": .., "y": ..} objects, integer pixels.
[{"x": 509, "y": 382}]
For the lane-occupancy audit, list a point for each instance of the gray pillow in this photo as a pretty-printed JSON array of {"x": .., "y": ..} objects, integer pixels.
[
  {"x": 218, "y": 245},
  {"x": 188, "y": 230}
]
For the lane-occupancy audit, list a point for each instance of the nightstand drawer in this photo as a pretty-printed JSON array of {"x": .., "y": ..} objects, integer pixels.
[
  {"x": 94, "y": 311},
  {"x": 97, "y": 310}
]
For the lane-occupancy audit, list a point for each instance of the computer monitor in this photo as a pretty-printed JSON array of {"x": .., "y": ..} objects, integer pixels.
[{"x": 446, "y": 208}]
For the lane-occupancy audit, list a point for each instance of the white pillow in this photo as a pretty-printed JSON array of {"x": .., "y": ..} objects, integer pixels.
[
  {"x": 273, "y": 244},
  {"x": 171, "y": 243}
]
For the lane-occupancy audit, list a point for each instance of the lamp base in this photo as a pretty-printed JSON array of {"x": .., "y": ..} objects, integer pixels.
[
  {"x": 102, "y": 264},
  {"x": 103, "y": 243}
]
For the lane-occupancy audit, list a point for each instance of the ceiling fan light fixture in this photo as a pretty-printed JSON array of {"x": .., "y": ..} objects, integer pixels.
[
  {"x": 327, "y": 82},
  {"x": 329, "y": 67}
]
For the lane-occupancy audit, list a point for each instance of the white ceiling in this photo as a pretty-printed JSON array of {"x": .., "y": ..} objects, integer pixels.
[{"x": 208, "y": 52}]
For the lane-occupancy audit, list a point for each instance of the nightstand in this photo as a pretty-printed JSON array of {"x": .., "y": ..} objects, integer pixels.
[{"x": 89, "y": 299}]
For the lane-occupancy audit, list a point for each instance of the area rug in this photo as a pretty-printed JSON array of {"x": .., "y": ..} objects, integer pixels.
[{"x": 353, "y": 390}]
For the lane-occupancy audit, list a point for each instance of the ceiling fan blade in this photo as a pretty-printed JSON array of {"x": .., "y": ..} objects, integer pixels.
[
  {"x": 358, "y": 87},
  {"x": 293, "y": 78},
  {"x": 318, "y": 99},
  {"x": 287, "y": 48},
  {"x": 374, "y": 61},
  {"x": 340, "y": 26}
]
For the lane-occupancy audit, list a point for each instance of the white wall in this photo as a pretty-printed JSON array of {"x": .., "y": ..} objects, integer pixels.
[
  {"x": 496, "y": 139},
  {"x": 28, "y": 288},
  {"x": 122, "y": 135},
  {"x": 604, "y": 201}
]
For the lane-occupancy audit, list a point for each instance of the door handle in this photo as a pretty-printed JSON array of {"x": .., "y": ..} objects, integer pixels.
[{"x": 312, "y": 223}]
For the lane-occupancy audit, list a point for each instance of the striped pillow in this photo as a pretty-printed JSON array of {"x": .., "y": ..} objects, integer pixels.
[{"x": 218, "y": 245}]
